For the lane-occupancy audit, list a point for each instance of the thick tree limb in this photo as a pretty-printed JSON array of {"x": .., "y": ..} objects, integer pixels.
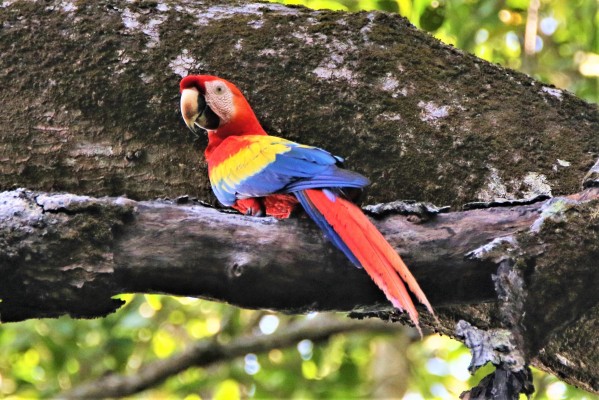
[
  {"x": 97, "y": 248},
  {"x": 116, "y": 245},
  {"x": 209, "y": 352},
  {"x": 94, "y": 248}
]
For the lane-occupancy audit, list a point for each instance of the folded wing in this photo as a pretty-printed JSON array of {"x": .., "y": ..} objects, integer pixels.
[{"x": 256, "y": 166}]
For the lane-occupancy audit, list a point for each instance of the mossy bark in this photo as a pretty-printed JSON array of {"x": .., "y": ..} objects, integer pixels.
[
  {"x": 89, "y": 95},
  {"x": 90, "y": 106}
]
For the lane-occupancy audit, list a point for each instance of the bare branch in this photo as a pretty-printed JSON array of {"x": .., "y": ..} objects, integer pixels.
[{"x": 208, "y": 352}]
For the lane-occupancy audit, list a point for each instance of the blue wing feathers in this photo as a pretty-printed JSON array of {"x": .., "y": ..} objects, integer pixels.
[
  {"x": 299, "y": 168},
  {"x": 333, "y": 178},
  {"x": 312, "y": 154},
  {"x": 318, "y": 169}
]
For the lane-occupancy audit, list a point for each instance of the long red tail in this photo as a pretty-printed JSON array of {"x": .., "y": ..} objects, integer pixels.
[{"x": 353, "y": 233}]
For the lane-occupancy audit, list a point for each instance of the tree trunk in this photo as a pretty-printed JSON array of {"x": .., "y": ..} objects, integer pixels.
[{"x": 90, "y": 106}]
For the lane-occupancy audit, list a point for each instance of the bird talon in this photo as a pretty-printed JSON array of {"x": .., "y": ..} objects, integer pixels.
[{"x": 251, "y": 212}]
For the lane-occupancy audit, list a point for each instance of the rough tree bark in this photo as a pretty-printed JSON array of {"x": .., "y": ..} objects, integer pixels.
[{"x": 90, "y": 106}]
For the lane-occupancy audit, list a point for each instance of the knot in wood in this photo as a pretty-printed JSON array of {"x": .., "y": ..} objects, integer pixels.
[{"x": 238, "y": 265}]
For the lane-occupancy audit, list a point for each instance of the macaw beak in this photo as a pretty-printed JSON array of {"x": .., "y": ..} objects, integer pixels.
[{"x": 196, "y": 112}]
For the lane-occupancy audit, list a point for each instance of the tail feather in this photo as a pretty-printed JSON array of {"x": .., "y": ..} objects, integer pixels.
[
  {"x": 396, "y": 263},
  {"x": 353, "y": 233},
  {"x": 383, "y": 274}
]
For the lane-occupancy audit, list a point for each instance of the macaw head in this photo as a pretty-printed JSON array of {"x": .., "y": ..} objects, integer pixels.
[{"x": 215, "y": 104}]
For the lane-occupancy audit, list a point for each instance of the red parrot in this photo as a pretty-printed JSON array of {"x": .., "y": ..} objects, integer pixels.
[{"x": 259, "y": 174}]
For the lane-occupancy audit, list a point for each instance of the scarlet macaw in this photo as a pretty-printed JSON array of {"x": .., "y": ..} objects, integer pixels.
[{"x": 259, "y": 174}]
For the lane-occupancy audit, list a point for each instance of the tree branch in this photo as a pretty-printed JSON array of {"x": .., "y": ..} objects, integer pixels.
[
  {"x": 95, "y": 248},
  {"x": 206, "y": 352}
]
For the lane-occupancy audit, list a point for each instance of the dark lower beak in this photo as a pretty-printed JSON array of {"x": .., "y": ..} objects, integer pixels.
[{"x": 207, "y": 119}]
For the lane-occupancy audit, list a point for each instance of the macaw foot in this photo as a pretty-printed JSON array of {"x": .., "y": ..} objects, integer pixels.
[
  {"x": 279, "y": 206},
  {"x": 252, "y": 207}
]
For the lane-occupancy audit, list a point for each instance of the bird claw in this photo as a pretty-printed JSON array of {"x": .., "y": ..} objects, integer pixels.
[
  {"x": 250, "y": 212},
  {"x": 250, "y": 207}
]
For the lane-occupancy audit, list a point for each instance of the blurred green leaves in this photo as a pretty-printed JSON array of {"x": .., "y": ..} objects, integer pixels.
[{"x": 40, "y": 359}]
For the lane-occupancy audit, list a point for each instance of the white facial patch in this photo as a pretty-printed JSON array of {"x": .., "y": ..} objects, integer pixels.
[{"x": 220, "y": 99}]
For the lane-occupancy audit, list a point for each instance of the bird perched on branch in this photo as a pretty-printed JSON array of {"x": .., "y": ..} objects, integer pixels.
[{"x": 258, "y": 174}]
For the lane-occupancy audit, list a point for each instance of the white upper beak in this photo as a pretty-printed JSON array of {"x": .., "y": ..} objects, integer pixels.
[{"x": 189, "y": 106}]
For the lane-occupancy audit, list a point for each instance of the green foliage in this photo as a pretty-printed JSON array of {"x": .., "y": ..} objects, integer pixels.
[{"x": 42, "y": 358}]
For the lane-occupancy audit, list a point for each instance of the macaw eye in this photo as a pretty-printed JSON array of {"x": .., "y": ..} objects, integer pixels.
[{"x": 219, "y": 89}]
